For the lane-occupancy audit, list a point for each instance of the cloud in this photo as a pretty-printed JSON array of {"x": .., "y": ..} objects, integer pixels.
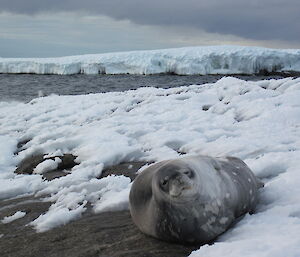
[
  {"x": 48, "y": 35},
  {"x": 256, "y": 19},
  {"x": 67, "y": 33}
]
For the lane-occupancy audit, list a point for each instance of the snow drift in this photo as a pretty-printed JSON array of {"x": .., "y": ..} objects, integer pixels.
[
  {"x": 182, "y": 61},
  {"x": 258, "y": 122}
]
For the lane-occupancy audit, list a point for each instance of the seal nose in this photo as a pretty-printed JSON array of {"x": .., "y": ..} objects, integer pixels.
[
  {"x": 178, "y": 184},
  {"x": 173, "y": 179}
]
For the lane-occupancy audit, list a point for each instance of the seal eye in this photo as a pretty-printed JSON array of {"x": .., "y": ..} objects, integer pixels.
[
  {"x": 189, "y": 173},
  {"x": 164, "y": 182}
]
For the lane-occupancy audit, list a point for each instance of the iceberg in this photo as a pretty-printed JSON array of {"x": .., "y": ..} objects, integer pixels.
[{"x": 182, "y": 61}]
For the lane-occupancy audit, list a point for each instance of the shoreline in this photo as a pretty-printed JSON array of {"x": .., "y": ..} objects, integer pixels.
[{"x": 103, "y": 234}]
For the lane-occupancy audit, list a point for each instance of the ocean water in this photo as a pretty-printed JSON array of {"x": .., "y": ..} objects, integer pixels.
[{"x": 25, "y": 87}]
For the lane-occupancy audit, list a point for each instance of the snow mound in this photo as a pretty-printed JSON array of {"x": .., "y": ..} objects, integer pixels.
[
  {"x": 183, "y": 61},
  {"x": 17, "y": 215},
  {"x": 258, "y": 122},
  {"x": 47, "y": 165}
]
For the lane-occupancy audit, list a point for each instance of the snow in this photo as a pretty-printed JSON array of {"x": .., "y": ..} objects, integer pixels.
[
  {"x": 55, "y": 217},
  {"x": 189, "y": 60},
  {"x": 258, "y": 122},
  {"x": 17, "y": 215},
  {"x": 47, "y": 165},
  {"x": 7, "y": 146}
]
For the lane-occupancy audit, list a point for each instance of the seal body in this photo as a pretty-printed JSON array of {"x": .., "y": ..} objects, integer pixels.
[{"x": 192, "y": 199}]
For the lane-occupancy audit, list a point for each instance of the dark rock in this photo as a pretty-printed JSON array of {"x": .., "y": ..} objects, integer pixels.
[
  {"x": 33, "y": 207},
  {"x": 104, "y": 234},
  {"x": 276, "y": 72},
  {"x": 127, "y": 169},
  {"x": 21, "y": 144},
  {"x": 206, "y": 107},
  {"x": 68, "y": 162},
  {"x": 27, "y": 165},
  {"x": 49, "y": 175}
]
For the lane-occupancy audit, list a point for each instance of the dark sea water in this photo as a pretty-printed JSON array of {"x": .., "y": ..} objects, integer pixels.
[{"x": 25, "y": 87}]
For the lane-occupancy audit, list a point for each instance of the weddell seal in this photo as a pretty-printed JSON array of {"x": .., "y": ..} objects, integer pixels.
[{"x": 192, "y": 199}]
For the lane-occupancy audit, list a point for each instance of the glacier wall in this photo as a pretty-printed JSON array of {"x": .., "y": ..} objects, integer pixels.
[{"x": 182, "y": 61}]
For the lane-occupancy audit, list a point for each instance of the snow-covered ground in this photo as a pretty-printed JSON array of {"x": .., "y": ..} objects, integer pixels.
[
  {"x": 189, "y": 60},
  {"x": 258, "y": 122}
]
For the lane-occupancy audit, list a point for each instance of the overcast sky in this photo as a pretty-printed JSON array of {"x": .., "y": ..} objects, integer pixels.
[{"x": 41, "y": 28}]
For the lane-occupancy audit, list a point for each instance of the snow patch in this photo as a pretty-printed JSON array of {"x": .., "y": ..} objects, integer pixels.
[
  {"x": 17, "y": 215},
  {"x": 47, "y": 165},
  {"x": 55, "y": 217}
]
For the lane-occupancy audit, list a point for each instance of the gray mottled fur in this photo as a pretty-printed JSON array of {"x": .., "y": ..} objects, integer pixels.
[{"x": 212, "y": 194}]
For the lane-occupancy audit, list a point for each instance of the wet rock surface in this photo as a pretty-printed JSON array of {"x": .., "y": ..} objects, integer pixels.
[
  {"x": 127, "y": 169},
  {"x": 104, "y": 234},
  {"x": 28, "y": 165}
]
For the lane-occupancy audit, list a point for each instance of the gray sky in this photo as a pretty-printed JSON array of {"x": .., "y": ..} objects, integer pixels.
[{"x": 30, "y": 28}]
